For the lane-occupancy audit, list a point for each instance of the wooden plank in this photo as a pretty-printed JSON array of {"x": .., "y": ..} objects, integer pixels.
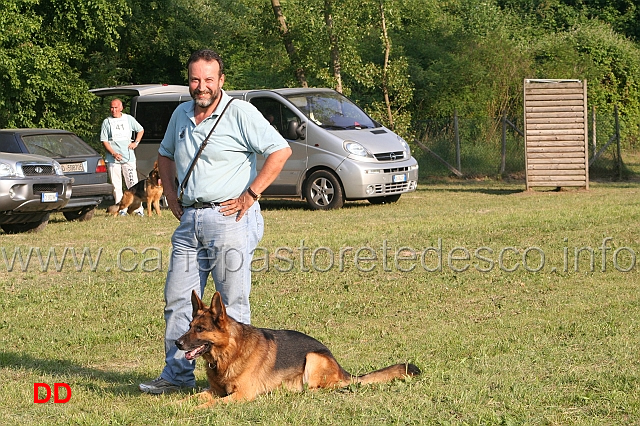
[
  {"x": 534, "y": 155},
  {"x": 555, "y": 120},
  {"x": 558, "y": 91},
  {"x": 553, "y": 104},
  {"x": 556, "y": 172},
  {"x": 554, "y": 138},
  {"x": 576, "y": 143},
  {"x": 531, "y": 150},
  {"x": 555, "y": 131},
  {"x": 558, "y": 184},
  {"x": 552, "y": 126},
  {"x": 557, "y": 166},
  {"x": 534, "y": 85},
  {"x": 564, "y": 160},
  {"x": 578, "y": 97},
  {"x": 557, "y": 178},
  {"x": 553, "y": 100},
  {"x": 535, "y": 176},
  {"x": 538, "y": 109},
  {"x": 558, "y": 135},
  {"x": 552, "y": 115}
]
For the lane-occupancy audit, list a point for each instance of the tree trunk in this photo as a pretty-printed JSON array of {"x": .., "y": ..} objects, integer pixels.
[
  {"x": 288, "y": 42},
  {"x": 333, "y": 41},
  {"x": 387, "y": 50}
]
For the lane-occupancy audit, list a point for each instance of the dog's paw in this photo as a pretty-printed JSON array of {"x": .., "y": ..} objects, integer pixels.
[{"x": 203, "y": 399}]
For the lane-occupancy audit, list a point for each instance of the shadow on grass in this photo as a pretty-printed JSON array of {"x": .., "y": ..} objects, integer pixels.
[
  {"x": 481, "y": 190},
  {"x": 294, "y": 204},
  {"x": 119, "y": 383},
  {"x": 490, "y": 187}
]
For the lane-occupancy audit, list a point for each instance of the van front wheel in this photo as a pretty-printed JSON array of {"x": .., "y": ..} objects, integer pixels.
[{"x": 323, "y": 191}]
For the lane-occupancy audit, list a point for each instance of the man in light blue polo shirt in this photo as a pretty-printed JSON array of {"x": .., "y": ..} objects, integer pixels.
[{"x": 220, "y": 219}]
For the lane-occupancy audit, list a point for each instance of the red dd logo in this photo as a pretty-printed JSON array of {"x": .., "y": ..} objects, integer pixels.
[{"x": 57, "y": 399}]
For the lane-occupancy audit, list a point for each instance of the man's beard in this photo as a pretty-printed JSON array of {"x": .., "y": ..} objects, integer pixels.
[{"x": 205, "y": 102}]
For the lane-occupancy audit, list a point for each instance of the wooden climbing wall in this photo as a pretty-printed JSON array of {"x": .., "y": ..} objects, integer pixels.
[{"x": 555, "y": 123}]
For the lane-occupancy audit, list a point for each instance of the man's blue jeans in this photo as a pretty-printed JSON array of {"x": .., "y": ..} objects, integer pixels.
[{"x": 207, "y": 243}]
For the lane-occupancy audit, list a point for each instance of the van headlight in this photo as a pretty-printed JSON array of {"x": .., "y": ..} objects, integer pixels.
[
  {"x": 407, "y": 148},
  {"x": 355, "y": 148}
]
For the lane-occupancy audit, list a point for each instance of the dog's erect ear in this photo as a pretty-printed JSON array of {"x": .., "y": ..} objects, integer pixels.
[
  {"x": 196, "y": 302},
  {"x": 155, "y": 165},
  {"x": 217, "y": 307}
]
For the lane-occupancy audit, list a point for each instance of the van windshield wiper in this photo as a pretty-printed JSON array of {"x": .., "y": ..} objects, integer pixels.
[
  {"x": 333, "y": 127},
  {"x": 351, "y": 127}
]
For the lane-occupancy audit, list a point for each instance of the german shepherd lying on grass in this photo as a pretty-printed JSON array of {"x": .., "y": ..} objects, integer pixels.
[
  {"x": 147, "y": 190},
  {"x": 244, "y": 361}
]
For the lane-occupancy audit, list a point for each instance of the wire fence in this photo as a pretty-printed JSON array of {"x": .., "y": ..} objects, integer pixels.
[{"x": 490, "y": 146}]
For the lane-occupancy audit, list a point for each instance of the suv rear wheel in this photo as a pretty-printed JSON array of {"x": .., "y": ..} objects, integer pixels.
[
  {"x": 81, "y": 215},
  {"x": 323, "y": 191}
]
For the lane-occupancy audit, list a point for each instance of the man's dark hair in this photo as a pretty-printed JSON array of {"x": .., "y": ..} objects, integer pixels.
[{"x": 207, "y": 55}]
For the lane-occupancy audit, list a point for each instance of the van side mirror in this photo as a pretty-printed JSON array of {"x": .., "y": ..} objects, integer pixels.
[{"x": 295, "y": 130}]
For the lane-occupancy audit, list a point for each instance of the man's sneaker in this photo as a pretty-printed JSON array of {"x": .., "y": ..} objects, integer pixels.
[
  {"x": 123, "y": 213},
  {"x": 140, "y": 214},
  {"x": 158, "y": 386}
]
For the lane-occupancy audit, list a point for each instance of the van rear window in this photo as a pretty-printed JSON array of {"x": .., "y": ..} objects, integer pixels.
[{"x": 154, "y": 117}]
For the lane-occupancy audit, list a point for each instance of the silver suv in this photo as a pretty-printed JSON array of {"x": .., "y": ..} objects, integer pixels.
[
  {"x": 77, "y": 159},
  {"x": 31, "y": 187}
]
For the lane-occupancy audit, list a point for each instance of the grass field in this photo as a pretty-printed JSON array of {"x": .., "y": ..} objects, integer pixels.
[{"x": 506, "y": 300}]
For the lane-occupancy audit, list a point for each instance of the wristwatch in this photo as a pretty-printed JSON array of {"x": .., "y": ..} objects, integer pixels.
[{"x": 255, "y": 196}]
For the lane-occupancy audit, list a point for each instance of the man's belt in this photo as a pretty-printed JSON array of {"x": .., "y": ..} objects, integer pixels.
[{"x": 201, "y": 205}]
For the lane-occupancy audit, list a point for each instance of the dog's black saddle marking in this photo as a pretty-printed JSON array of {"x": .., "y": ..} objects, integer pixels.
[{"x": 293, "y": 347}]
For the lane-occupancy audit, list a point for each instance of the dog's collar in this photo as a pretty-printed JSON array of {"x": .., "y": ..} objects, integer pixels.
[{"x": 212, "y": 365}]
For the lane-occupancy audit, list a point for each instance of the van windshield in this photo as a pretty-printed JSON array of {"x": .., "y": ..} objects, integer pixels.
[{"x": 332, "y": 111}]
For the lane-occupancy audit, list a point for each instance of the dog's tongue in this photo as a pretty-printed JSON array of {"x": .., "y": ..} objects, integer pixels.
[
  {"x": 159, "y": 182},
  {"x": 194, "y": 353}
]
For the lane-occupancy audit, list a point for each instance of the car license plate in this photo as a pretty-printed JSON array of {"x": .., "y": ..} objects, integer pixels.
[
  {"x": 73, "y": 167},
  {"x": 399, "y": 178},
  {"x": 49, "y": 197}
]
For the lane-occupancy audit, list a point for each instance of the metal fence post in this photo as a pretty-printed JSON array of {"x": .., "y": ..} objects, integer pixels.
[
  {"x": 593, "y": 128},
  {"x": 504, "y": 144},
  {"x": 618, "y": 143},
  {"x": 457, "y": 137}
]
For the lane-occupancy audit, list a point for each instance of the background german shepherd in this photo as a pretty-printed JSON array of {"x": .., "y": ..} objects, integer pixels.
[
  {"x": 244, "y": 361},
  {"x": 147, "y": 190}
]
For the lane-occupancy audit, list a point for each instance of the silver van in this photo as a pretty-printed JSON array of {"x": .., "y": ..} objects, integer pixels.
[{"x": 339, "y": 152}]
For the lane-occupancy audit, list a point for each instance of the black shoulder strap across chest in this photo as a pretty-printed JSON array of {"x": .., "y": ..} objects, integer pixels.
[{"x": 202, "y": 147}]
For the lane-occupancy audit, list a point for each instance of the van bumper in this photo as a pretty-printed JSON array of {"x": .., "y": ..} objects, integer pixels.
[{"x": 368, "y": 180}]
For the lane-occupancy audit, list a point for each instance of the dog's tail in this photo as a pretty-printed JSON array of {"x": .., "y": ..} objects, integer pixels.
[{"x": 397, "y": 371}]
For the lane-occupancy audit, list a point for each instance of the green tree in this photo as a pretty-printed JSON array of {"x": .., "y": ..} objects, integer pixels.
[
  {"x": 159, "y": 36},
  {"x": 42, "y": 53},
  {"x": 621, "y": 15},
  {"x": 346, "y": 45}
]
